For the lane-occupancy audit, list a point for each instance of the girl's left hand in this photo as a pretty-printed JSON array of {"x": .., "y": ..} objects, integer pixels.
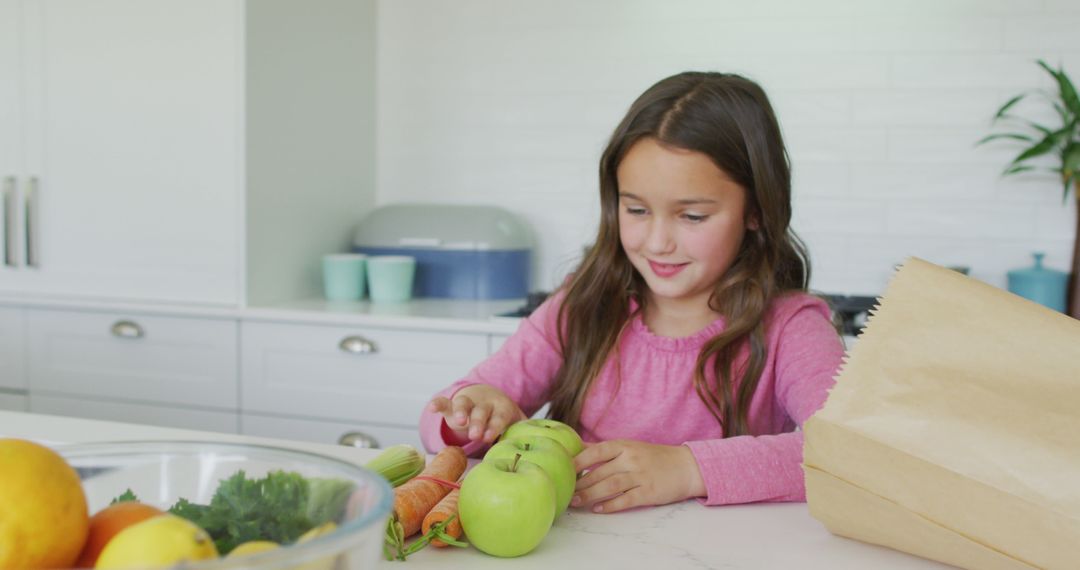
[{"x": 626, "y": 474}]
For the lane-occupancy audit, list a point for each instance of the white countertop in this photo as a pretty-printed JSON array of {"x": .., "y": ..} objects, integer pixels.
[
  {"x": 685, "y": 535},
  {"x": 450, "y": 315}
]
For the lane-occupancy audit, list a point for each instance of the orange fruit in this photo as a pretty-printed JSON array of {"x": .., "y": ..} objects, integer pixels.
[
  {"x": 107, "y": 522},
  {"x": 43, "y": 519}
]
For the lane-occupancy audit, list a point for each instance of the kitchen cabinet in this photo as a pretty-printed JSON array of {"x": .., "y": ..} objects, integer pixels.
[
  {"x": 311, "y": 374},
  {"x": 139, "y": 413},
  {"x": 326, "y": 431},
  {"x": 14, "y": 402},
  {"x": 185, "y": 151},
  {"x": 347, "y": 374},
  {"x": 496, "y": 341},
  {"x": 12, "y": 324},
  {"x": 168, "y": 361}
]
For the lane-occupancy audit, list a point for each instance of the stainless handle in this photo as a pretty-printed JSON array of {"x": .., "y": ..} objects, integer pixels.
[
  {"x": 8, "y": 206},
  {"x": 127, "y": 329},
  {"x": 32, "y": 222},
  {"x": 32, "y": 211},
  {"x": 358, "y": 439},
  {"x": 358, "y": 345}
]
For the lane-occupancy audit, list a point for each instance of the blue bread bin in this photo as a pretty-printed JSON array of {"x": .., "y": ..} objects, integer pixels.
[
  {"x": 461, "y": 251},
  {"x": 1042, "y": 285}
]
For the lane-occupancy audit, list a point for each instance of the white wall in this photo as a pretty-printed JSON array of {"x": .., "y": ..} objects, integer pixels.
[{"x": 510, "y": 102}]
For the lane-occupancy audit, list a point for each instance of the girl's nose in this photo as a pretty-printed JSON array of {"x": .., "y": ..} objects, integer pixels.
[{"x": 659, "y": 240}]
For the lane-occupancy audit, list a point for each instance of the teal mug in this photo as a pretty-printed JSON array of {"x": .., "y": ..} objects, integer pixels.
[
  {"x": 343, "y": 276},
  {"x": 390, "y": 278},
  {"x": 1040, "y": 284}
]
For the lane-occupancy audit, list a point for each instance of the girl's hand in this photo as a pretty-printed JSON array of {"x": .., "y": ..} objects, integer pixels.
[
  {"x": 477, "y": 413},
  {"x": 626, "y": 474}
]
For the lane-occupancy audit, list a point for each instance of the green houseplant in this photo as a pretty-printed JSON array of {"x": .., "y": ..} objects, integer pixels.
[{"x": 1061, "y": 142}]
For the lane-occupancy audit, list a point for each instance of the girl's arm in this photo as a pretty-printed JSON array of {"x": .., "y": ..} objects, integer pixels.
[
  {"x": 748, "y": 469},
  {"x": 522, "y": 369}
]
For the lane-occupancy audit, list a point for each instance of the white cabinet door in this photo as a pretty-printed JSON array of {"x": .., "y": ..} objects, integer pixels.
[
  {"x": 14, "y": 402},
  {"x": 302, "y": 370},
  {"x": 10, "y": 133},
  {"x": 495, "y": 342},
  {"x": 12, "y": 355},
  {"x": 329, "y": 432},
  {"x": 171, "y": 360},
  {"x": 165, "y": 416},
  {"x": 133, "y": 137}
]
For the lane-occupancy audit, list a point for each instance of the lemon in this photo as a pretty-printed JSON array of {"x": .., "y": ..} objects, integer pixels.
[
  {"x": 43, "y": 513},
  {"x": 252, "y": 547},
  {"x": 324, "y": 563},
  {"x": 325, "y": 528},
  {"x": 160, "y": 541}
]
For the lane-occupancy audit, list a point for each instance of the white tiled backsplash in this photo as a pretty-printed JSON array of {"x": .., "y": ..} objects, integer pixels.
[{"x": 510, "y": 102}]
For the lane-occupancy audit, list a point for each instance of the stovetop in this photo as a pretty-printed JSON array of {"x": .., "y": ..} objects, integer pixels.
[{"x": 849, "y": 311}]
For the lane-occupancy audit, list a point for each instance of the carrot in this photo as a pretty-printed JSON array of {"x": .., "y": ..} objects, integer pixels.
[
  {"x": 445, "y": 509},
  {"x": 414, "y": 499}
]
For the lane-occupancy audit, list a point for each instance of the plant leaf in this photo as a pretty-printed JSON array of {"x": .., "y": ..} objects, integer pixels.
[
  {"x": 1001, "y": 112},
  {"x": 1018, "y": 168},
  {"x": 1070, "y": 159},
  {"x": 1038, "y": 127},
  {"x": 1070, "y": 168},
  {"x": 1015, "y": 136},
  {"x": 1065, "y": 86},
  {"x": 1061, "y": 111},
  {"x": 1042, "y": 147}
]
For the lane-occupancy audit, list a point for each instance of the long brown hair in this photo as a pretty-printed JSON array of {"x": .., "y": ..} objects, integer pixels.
[{"x": 729, "y": 119}]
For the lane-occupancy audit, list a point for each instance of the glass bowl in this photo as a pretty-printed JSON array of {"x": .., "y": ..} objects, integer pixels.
[{"x": 161, "y": 473}]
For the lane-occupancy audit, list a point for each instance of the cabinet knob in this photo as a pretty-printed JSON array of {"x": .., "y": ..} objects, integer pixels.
[
  {"x": 357, "y": 345},
  {"x": 358, "y": 439},
  {"x": 127, "y": 329}
]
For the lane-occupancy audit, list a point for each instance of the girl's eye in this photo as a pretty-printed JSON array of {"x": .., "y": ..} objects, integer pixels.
[
  {"x": 635, "y": 211},
  {"x": 695, "y": 218}
]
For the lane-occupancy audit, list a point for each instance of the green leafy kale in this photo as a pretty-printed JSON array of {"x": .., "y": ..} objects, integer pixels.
[
  {"x": 327, "y": 499},
  {"x": 242, "y": 509},
  {"x": 279, "y": 507},
  {"x": 127, "y": 495}
]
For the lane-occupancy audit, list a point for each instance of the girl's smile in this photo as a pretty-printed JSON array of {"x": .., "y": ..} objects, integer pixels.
[{"x": 666, "y": 269}]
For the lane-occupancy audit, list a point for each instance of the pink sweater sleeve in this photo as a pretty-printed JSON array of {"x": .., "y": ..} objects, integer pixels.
[
  {"x": 746, "y": 469},
  {"x": 523, "y": 368}
]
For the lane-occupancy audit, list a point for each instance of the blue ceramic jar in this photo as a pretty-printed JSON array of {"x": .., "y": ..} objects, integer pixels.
[{"x": 1040, "y": 284}]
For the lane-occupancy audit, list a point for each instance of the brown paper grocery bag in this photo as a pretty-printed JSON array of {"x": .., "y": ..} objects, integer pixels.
[{"x": 953, "y": 431}]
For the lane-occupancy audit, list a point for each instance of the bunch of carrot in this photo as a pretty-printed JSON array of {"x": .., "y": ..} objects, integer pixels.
[{"x": 428, "y": 503}]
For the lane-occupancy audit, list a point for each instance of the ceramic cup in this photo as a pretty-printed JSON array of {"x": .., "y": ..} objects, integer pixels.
[
  {"x": 343, "y": 276},
  {"x": 390, "y": 277}
]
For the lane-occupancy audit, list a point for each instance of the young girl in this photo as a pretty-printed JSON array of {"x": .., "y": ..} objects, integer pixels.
[{"x": 684, "y": 349}]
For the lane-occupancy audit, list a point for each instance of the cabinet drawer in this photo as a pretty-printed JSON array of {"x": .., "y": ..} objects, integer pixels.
[
  {"x": 12, "y": 324},
  {"x": 303, "y": 370},
  {"x": 496, "y": 341},
  {"x": 185, "y": 418},
  {"x": 13, "y": 402},
  {"x": 150, "y": 358},
  {"x": 320, "y": 431}
]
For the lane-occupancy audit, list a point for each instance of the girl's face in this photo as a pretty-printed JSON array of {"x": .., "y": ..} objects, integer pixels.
[{"x": 681, "y": 221}]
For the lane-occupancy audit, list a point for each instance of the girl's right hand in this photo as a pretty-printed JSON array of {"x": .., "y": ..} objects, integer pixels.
[{"x": 479, "y": 412}]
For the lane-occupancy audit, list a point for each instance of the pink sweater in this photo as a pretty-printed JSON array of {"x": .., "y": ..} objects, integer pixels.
[{"x": 656, "y": 401}]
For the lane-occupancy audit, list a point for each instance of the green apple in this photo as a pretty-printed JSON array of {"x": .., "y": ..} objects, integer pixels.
[
  {"x": 549, "y": 455},
  {"x": 554, "y": 429},
  {"x": 506, "y": 506}
]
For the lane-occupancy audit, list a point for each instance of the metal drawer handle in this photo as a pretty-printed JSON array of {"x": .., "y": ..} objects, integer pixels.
[
  {"x": 8, "y": 207},
  {"x": 358, "y": 345},
  {"x": 32, "y": 220},
  {"x": 127, "y": 329},
  {"x": 358, "y": 439}
]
